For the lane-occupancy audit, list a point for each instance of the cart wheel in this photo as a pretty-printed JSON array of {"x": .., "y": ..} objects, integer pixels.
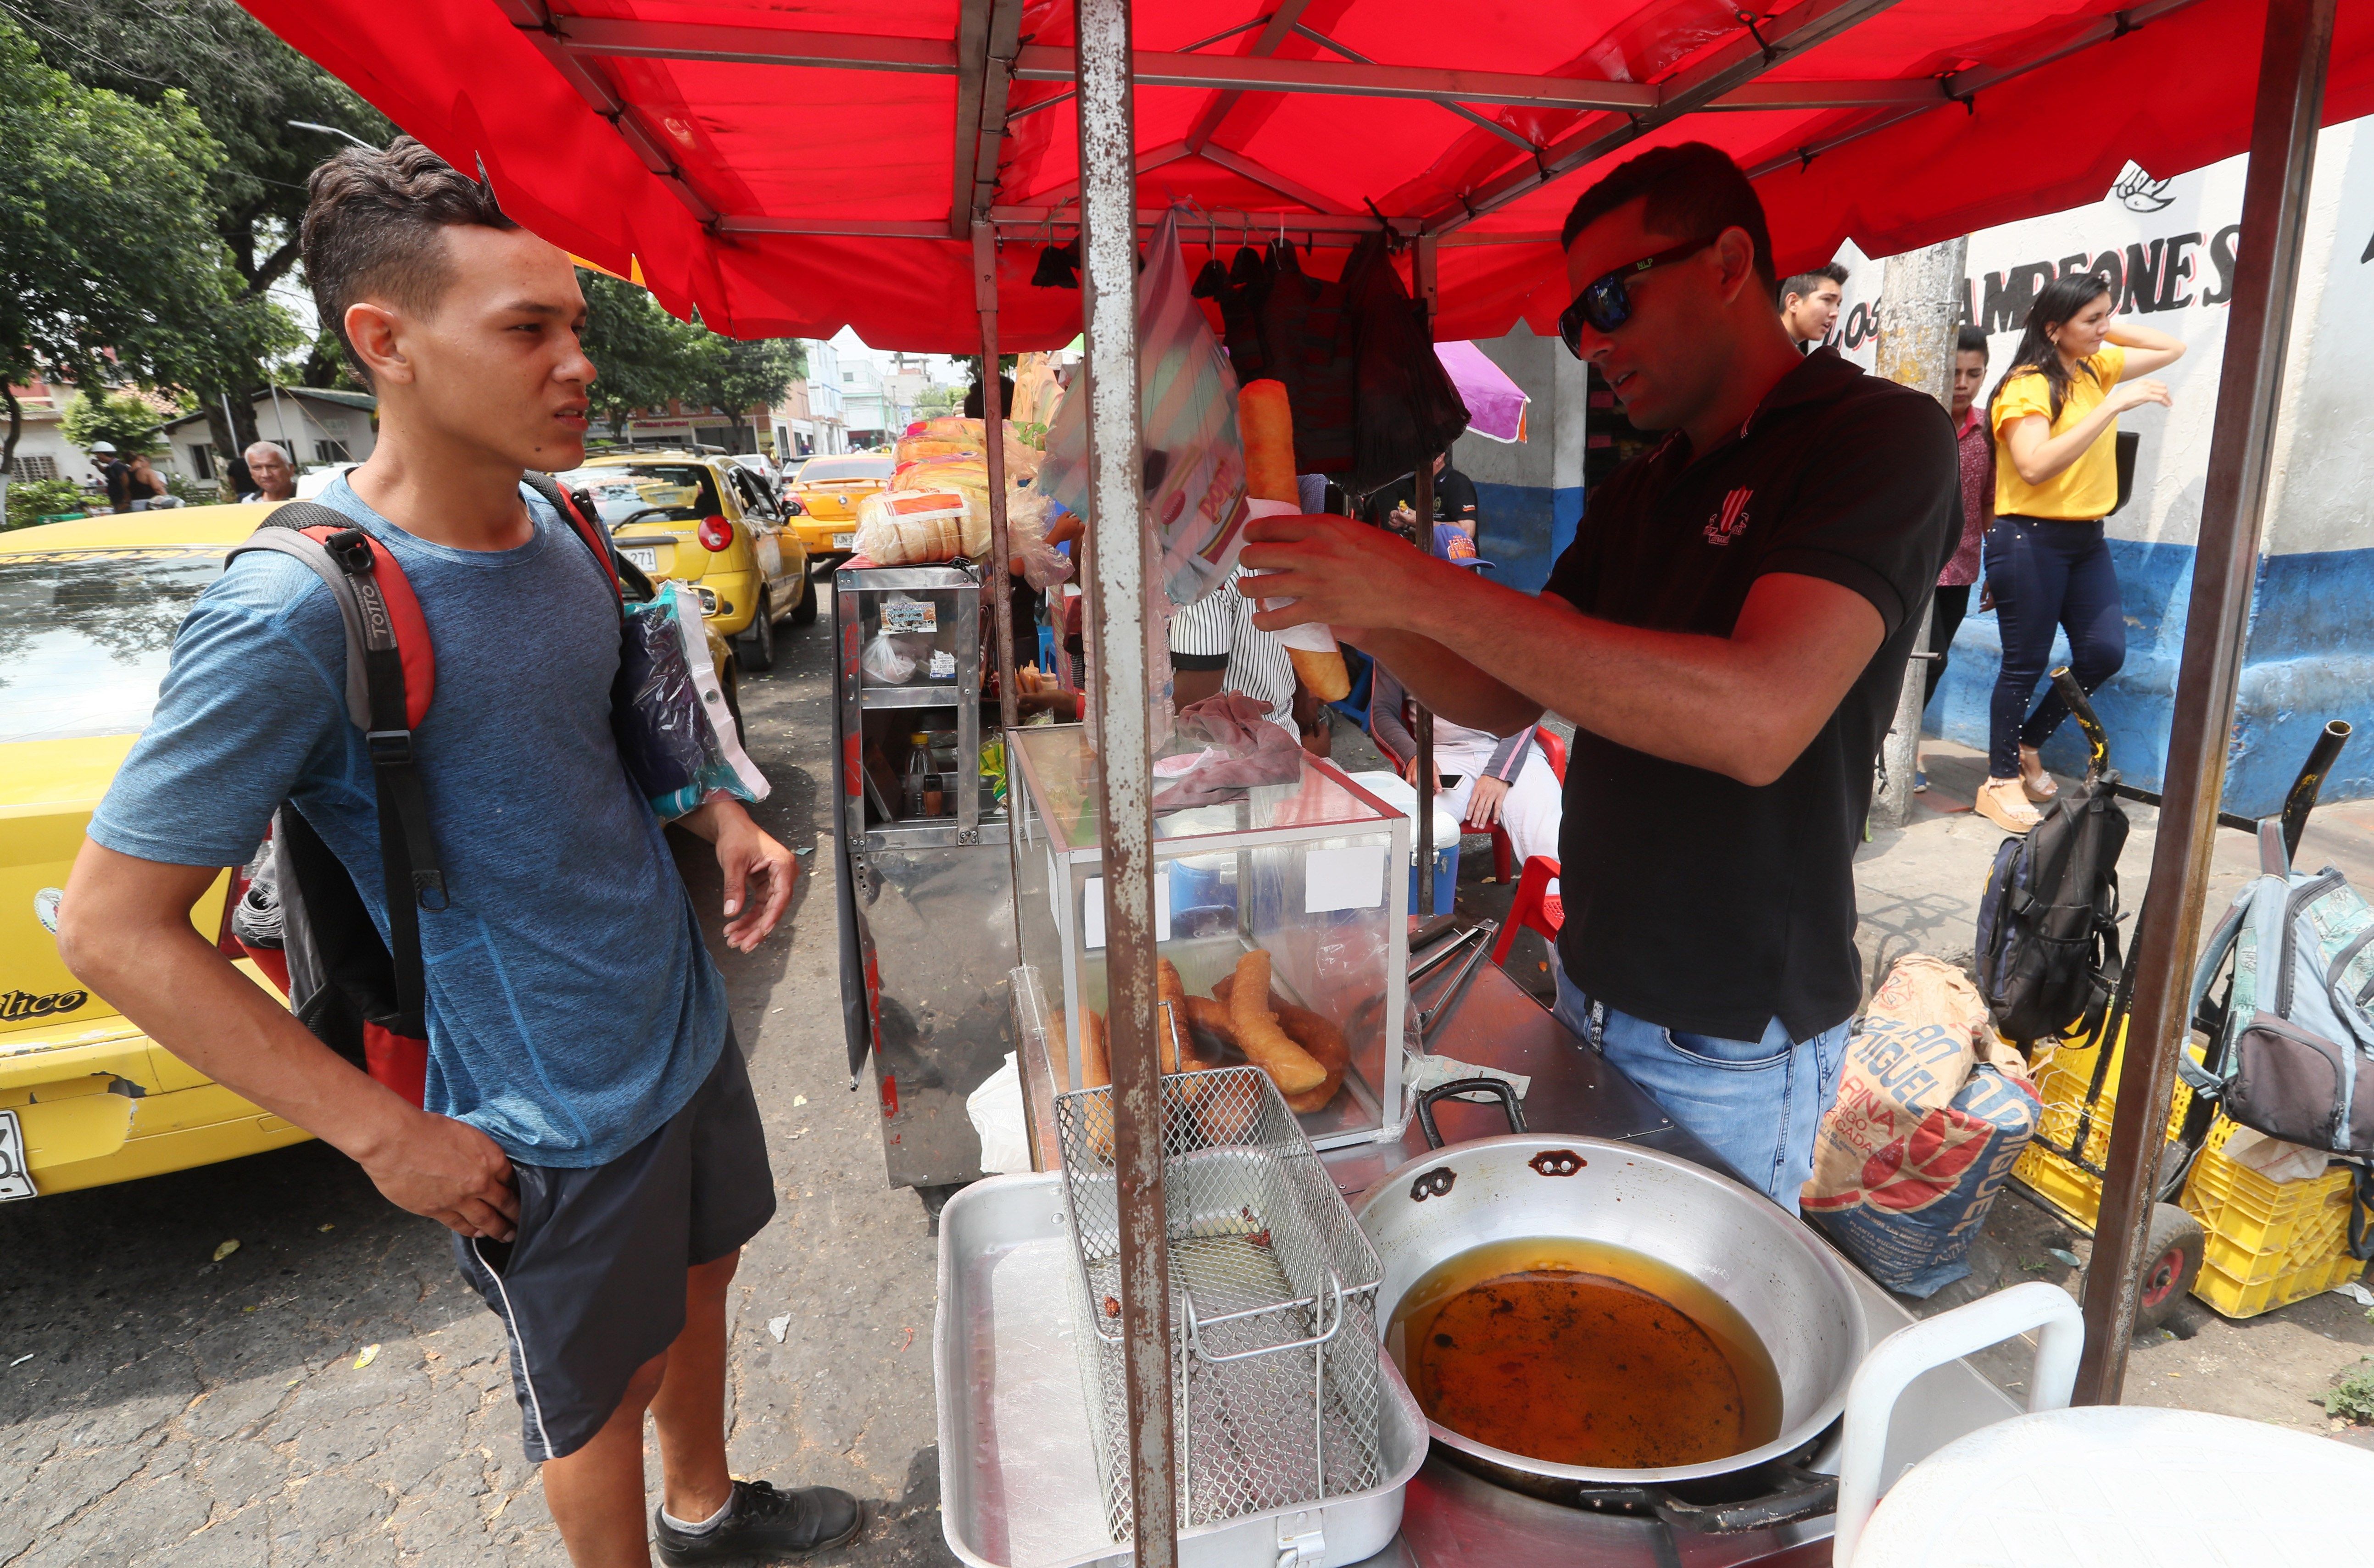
[{"x": 2173, "y": 1249}]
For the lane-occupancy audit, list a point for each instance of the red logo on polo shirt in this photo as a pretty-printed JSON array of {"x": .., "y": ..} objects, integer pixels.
[{"x": 1730, "y": 521}]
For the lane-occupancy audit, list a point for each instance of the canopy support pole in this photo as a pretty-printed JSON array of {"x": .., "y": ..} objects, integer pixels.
[
  {"x": 1117, "y": 667},
  {"x": 999, "y": 580},
  {"x": 2297, "y": 49},
  {"x": 1422, "y": 498}
]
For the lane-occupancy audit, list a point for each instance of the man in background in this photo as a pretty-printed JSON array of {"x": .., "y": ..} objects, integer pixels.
[
  {"x": 1809, "y": 305},
  {"x": 1395, "y": 506},
  {"x": 269, "y": 470},
  {"x": 113, "y": 473}
]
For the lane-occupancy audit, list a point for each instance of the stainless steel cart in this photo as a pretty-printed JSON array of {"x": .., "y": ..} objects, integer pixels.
[{"x": 927, "y": 932}]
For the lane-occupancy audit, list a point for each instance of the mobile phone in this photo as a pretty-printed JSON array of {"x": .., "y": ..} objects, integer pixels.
[{"x": 1450, "y": 780}]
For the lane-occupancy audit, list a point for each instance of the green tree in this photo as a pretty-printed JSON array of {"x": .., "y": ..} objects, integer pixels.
[
  {"x": 126, "y": 419},
  {"x": 733, "y": 375},
  {"x": 646, "y": 359},
  {"x": 114, "y": 272},
  {"x": 245, "y": 86}
]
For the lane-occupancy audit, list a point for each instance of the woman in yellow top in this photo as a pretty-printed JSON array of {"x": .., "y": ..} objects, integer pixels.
[{"x": 2054, "y": 415}]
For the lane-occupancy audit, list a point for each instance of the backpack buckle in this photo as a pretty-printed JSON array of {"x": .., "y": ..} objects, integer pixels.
[
  {"x": 390, "y": 748},
  {"x": 350, "y": 548}
]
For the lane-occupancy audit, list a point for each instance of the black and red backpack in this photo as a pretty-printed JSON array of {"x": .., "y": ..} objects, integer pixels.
[{"x": 361, "y": 999}]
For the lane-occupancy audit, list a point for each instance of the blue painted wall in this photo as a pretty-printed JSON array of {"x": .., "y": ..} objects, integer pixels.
[
  {"x": 2309, "y": 659},
  {"x": 1525, "y": 528}
]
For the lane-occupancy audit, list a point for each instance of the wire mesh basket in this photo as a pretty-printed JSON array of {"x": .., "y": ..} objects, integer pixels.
[{"x": 1273, "y": 1302}]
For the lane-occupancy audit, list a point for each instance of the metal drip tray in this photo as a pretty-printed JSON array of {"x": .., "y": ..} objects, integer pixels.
[{"x": 1022, "y": 1484}]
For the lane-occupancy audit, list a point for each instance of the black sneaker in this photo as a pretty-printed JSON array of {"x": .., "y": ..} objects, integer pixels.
[{"x": 766, "y": 1523}]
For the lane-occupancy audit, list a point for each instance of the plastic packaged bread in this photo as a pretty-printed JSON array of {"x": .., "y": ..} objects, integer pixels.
[{"x": 900, "y": 528}]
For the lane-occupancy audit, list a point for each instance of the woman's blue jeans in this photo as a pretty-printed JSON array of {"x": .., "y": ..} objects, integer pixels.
[
  {"x": 2046, "y": 573},
  {"x": 1756, "y": 1103}
]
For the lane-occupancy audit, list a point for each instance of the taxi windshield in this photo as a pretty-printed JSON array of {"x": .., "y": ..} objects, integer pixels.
[
  {"x": 649, "y": 492},
  {"x": 84, "y": 637},
  {"x": 844, "y": 470}
]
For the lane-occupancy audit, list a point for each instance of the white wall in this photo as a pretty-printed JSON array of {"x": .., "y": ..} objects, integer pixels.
[{"x": 2325, "y": 442}]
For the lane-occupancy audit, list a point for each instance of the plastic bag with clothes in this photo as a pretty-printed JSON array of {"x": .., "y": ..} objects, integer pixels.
[
  {"x": 676, "y": 734},
  {"x": 1193, "y": 509}
]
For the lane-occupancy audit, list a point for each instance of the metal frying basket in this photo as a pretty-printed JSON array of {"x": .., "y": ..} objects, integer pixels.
[{"x": 1272, "y": 1302}]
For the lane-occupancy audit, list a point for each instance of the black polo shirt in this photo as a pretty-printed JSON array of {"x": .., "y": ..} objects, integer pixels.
[{"x": 1692, "y": 900}]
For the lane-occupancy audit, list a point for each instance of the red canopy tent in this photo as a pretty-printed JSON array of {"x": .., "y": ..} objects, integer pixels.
[
  {"x": 788, "y": 172},
  {"x": 862, "y": 168}
]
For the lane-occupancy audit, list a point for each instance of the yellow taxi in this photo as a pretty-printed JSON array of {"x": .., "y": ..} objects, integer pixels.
[
  {"x": 88, "y": 613},
  {"x": 708, "y": 522},
  {"x": 823, "y": 500}
]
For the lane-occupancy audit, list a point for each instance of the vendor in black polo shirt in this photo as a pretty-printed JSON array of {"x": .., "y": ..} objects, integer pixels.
[{"x": 1728, "y": 633}]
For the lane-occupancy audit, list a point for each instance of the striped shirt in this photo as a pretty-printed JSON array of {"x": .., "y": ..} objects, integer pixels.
[{"x": 1219, "y": 629}]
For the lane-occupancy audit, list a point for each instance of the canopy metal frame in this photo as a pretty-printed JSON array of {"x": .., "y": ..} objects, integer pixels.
[{"x": 1103, "y": 71}]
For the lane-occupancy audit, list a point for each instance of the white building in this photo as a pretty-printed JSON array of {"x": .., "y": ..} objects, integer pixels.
[
  {"x": 869, "y": 407},
  {"x": 811, "y": 420},
  {"x": 43, "y": 450},
  {"x": 315, "y": 426}
]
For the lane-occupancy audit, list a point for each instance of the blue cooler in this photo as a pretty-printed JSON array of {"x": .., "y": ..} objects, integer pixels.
[{"x": 1392, "y": 789}]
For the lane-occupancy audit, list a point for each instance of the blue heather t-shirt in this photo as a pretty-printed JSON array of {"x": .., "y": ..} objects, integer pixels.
[{"x": 572, "y": 1006}]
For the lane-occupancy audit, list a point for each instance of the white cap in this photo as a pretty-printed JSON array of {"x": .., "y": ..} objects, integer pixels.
[{"x": 107, "y": 447}]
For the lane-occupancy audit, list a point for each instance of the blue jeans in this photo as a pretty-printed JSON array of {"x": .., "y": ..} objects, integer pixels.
[
  {"x": 1756, "y": 1103},
  {"x": 2045, "y": 574}
]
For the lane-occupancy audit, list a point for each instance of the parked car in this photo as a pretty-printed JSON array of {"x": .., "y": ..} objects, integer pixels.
[
  {"x": 823, "y": 500},
  {"x": 88, "y": 613},
  {"x": 713, "y": 524}
]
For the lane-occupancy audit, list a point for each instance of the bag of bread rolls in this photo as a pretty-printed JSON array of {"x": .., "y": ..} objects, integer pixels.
[{"x": 908, "y": 528}]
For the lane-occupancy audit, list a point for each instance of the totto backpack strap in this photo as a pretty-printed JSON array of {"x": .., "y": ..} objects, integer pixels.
[
  {"x": 391, "y": 668},
  {"x": 576, "y": 509}
]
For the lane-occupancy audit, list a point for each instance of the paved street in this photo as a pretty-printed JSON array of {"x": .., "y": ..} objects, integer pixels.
[{"x": 159, "y": 1408}]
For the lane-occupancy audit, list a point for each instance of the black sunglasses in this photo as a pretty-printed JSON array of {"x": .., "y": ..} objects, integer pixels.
[{"x": 1605, "y": 305}]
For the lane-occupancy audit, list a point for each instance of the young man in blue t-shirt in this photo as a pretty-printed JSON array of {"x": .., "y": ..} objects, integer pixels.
[{"x": 589, "y": 1133}]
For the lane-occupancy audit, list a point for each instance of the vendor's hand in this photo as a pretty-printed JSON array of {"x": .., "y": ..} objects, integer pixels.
[
  {"x": 1409, "y": 776},
  {"x": 1337, "y": 572},
  {"x": 447, "y": 1170},
  {"x": 1483, "y": 800}
]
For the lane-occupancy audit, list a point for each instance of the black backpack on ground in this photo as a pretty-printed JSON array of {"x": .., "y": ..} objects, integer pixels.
[{"x": 2048, "y": 953}]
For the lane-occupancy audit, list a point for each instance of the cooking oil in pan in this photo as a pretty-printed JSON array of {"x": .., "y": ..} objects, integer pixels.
[{"x": 1581, "y": 1353}]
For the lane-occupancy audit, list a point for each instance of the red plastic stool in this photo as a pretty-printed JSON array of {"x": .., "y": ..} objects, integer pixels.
[{"x": 1535, "y": 906}]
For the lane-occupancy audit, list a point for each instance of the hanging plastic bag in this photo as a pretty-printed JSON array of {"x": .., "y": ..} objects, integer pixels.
[
  {"x": 676, "y": 734},
  {"x": 1029, "y": 515},
  {"x": 1195, "y": 466}
]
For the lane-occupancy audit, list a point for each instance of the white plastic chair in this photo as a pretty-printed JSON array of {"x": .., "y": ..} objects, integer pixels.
[{"x": 2107, "y": 1486}]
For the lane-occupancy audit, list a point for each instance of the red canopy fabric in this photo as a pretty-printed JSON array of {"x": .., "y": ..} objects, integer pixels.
[{"x": 804, "y": 147}]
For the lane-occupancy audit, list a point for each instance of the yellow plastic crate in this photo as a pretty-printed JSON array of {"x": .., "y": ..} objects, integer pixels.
[
  {"x": 2063, "y": 1074},
  {"x": 2270, "y": 1243}
]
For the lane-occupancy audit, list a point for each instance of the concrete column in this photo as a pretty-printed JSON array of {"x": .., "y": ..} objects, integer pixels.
[{"x": 1922, "y": 294}]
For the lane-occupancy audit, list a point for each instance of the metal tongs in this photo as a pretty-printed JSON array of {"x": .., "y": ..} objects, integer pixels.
[{"x": 1435, "y": 944}]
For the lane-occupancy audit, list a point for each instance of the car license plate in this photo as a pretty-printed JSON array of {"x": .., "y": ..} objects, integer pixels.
[
  {"x": 844, "y": 541},
  {"x": 15, "y": 1180},
  {"x": 647, "y": 559}
]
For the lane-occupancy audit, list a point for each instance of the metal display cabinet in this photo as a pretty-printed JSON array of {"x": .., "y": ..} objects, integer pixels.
[
  {"x": 928, "y": 896},
  {"x": 1299, "y": 868}
]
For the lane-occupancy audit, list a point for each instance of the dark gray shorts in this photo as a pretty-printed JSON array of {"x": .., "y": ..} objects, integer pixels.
[{"x": 592, "y": 1285}]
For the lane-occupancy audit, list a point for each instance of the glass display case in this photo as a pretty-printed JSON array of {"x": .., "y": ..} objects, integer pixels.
[{"x": 1297, "y": 869}]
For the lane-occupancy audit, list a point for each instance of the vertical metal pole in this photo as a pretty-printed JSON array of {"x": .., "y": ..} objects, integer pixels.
[
  {"x": 1922, "y": 290},
  {"x": 1422, "y": 276},
  {"x": 1117, "y": 663},
  {"x": 993, "y": 427},
  {"x": 2298, "y": 42},
  {"x": 1423, "y": 730}
]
